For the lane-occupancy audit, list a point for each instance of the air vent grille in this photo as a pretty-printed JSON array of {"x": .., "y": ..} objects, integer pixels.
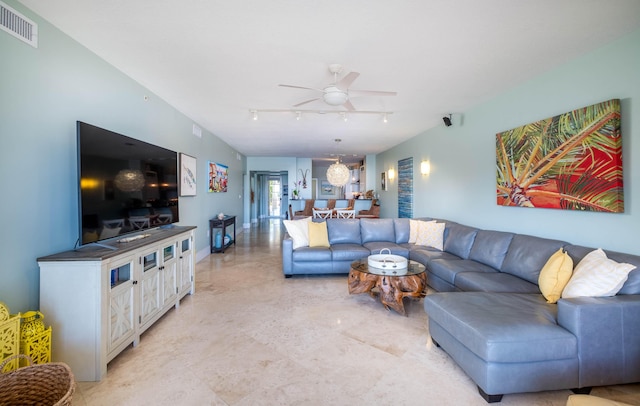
[{"x": 18, "y": 25}]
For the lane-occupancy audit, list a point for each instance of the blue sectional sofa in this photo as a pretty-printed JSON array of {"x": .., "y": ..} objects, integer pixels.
[{"x": 489, "y": 314}]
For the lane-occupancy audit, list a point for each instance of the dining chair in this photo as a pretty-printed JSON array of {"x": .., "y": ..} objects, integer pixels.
[
  {"x": 139, "y": 222},
  {"x": 322, "y": 214},
  {"x": 346, "y": 214}
]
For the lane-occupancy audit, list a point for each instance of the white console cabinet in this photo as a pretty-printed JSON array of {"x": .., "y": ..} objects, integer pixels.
[{"x": 99, "y": 301}]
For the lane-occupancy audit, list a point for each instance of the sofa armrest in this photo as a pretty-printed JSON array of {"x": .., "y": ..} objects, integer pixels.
[
  {"x": 287, "y": 255},
  {"x": 608, "y": 333}
]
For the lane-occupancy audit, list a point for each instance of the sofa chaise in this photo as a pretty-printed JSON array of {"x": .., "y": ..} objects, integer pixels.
[{"x": 489, "y": 313}]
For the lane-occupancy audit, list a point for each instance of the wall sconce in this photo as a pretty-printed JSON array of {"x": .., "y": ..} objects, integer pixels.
[
  {"x": 425, "y": 167},
  {"x": 392, "y": 173}
]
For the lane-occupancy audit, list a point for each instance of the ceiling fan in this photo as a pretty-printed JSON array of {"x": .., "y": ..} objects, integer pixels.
[{"x": 338, "y": 92}]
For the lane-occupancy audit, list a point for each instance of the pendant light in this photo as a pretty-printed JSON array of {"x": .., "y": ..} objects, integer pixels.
[
  {"x": 129, "y": 180},
  {"x": 338, "y": 173}
]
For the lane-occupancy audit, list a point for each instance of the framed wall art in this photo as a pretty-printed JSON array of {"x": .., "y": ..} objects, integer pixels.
[
  {"x": 383, "y": 181},
  {"x": 188, "y": 166},
  {"x": 572, "y": 161},
  {"x": 218, "y": 177},
  {"x": 326, "y": 188}
]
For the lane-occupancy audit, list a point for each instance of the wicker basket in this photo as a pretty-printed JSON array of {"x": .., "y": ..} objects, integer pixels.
[{"x": 43, "y": 384}]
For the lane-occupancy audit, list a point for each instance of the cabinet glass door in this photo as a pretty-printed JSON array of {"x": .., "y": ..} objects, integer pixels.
[
  {"x": 185, "y": 268},
  {"x": 169, "y": 274},
  {"x": 121, "y": 304},
  {"x": 150, "y": 291}
]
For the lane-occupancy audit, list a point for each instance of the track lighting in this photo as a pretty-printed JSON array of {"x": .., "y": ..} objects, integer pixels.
[
  {"x": 254, "y": 115},
  {"x": 344, "y": 117},
  {"x": 384, "y": 118},
  {"x": 298, "y": 115}
]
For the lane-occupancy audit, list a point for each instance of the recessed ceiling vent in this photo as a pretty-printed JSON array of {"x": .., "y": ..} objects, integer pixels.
[{"x": 18, "y": 25}]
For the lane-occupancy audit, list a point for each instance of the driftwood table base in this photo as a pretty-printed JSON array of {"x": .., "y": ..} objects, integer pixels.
[{"x": 391, "y": 289}]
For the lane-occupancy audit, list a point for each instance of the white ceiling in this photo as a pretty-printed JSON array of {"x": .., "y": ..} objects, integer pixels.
[{"x": 215, "y": 60}]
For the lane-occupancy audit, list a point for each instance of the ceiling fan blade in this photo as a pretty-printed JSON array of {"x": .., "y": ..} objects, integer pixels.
[
  {"x": 302, "y": 87},
  {"x": 346, "y": 81},
  {"x": 353, "y": 92},
  {"x": 349, "y": 106},
  {"x": 305, "y": 102}
]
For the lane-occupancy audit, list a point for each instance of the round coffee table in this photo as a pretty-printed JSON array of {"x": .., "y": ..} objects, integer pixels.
[{"x": 392, "y": 286}]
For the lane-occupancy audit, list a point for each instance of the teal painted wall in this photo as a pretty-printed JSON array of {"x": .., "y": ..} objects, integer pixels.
[
  {"x": 43, "y": 92},
  {"x": 461, "y": 186}
]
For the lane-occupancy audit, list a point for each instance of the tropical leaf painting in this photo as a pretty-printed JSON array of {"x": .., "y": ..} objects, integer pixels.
[{"x": 572, "y": 161}]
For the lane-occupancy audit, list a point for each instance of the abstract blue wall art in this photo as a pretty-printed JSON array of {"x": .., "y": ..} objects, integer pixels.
[{"x": 405, "y": 188}]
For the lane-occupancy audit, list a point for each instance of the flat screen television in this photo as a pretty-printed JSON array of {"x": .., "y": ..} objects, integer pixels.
[{"x": 125, "y": 185}]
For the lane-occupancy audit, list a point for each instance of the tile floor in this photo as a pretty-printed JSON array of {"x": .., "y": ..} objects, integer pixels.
[{"x": 251, "y": 337}]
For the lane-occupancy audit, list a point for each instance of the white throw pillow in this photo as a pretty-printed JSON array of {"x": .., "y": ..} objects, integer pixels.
[
  {"x": 431, "y": 234},
  {"x": 413, "y": 229},
  {"x": 299, "y": 231},
  {"x": 596, "y": 275}
]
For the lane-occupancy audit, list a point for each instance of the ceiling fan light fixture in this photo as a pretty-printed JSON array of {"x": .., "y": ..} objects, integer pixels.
[{"x": 334, "y": 96}]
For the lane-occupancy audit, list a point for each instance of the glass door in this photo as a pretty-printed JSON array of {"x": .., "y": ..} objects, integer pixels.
[{"x": 275, "y": 197}]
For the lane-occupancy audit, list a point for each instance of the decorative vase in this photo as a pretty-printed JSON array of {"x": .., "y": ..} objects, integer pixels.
[{"x": 221, "y": 216}]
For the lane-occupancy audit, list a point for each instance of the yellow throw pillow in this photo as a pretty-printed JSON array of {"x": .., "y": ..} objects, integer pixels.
[
  {"x": 431, "y": 234},
  {"x": 555, "y": 275},
  {"x": 318, "y": 235}
]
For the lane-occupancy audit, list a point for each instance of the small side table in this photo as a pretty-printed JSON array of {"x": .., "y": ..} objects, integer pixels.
[{"x": 216, "y": 223}]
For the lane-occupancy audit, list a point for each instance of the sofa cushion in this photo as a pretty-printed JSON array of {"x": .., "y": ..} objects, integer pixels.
[
  {"x": 377, "y": 230},
  {"x": 490, "y": 247},
  {"x": 375, "y": 247},
  {"x": 503, "y": 327},
  {"x": 498, "y": 282},
  {"x": 318, "y": 236},
  {"x": 460, "y": 239},
  {"x": 424, "y": 254},
  {"x": 344, "y": 231},
  {"x": 447, "y": 269},
  {"x": 348, "y": 252},
  {"x": 527, "y": 255},
  {"x": 554, "y": 275},
  {"x": 596, "y": 275},
  {"x": 414, "y": 225},
  {"x": 431, "y": 234},
  {"x": 312, "y": 254},
  {"x": 299, "y": 231},
  {"x": 402, "y": 230},
  {"x": 632, "y": 285}
]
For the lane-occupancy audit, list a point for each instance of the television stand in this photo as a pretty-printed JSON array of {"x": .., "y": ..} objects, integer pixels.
[
  {"x": 100, "y": 301},
  {"x": 97, "y": 244}
]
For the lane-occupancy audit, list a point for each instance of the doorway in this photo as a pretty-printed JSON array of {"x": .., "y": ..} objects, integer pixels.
[
  {"x": 269, "y": 194},
  {"x": 275, "y": 197}
]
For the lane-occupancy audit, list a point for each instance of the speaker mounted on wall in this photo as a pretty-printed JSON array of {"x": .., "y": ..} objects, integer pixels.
[{"x": 447, "y": 120}]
